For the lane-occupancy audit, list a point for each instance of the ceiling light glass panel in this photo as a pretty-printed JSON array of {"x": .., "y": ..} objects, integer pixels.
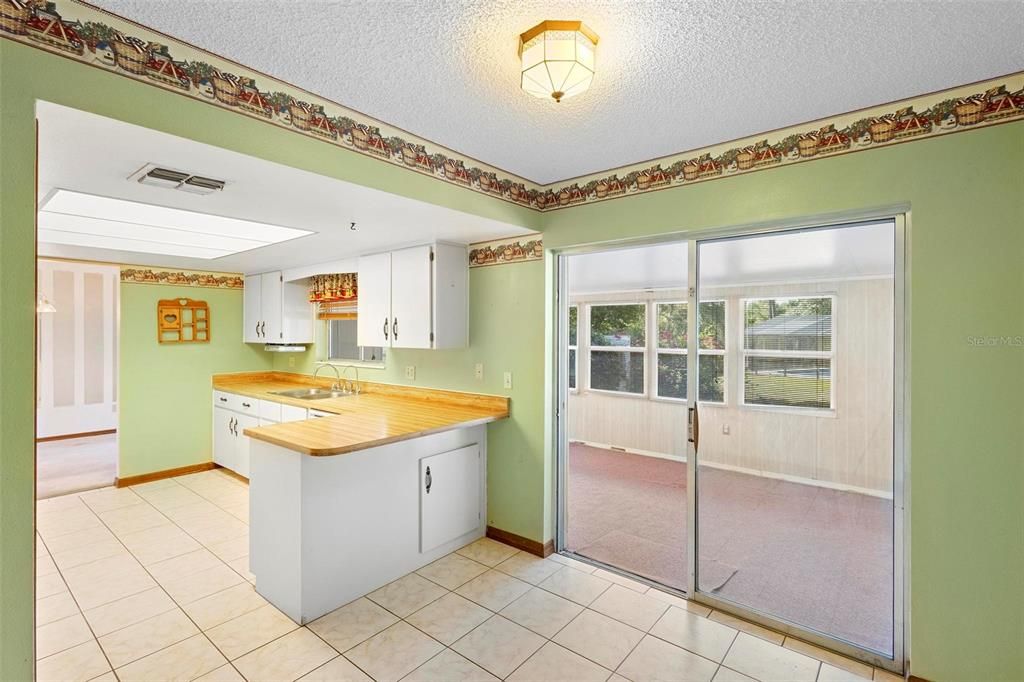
[
  {"x": 557, "y": 59},
  {"x": 78, "y": 219}
]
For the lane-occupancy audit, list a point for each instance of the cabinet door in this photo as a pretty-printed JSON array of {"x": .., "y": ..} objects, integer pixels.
[
  {"x": 252, "y": 312},
  {"x": 374, "y": 307},
  {"x": 449, "y": 496},
  {"x": 224, "y": 442},
  {"x": 411, "y": 298},
  {"x": 296, "y": 313},
  {"x": 245, "y": 421},
  {"x": 270, "y": 304}
]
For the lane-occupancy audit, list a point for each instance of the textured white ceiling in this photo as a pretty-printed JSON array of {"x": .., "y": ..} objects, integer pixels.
[{"x": 672, "y": 75}]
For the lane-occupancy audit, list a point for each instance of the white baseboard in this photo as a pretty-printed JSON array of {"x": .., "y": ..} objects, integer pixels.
[{"x": 744, "y": 470}]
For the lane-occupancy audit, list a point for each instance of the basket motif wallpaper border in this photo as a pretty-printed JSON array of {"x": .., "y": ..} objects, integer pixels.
[
  {"x": 89, "y": 35},
  {"x": 504, "y": 251},
  {"x": 182, "y": 278}
]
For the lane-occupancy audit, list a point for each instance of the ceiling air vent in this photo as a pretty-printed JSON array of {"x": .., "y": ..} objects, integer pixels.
[{"x": 152, "y": 174}]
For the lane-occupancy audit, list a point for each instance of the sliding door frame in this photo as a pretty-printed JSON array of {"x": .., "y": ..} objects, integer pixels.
[{"x": 901, "y": 215}]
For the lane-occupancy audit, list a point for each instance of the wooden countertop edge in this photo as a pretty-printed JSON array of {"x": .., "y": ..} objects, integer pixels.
[
  {"x": 236, "y": 382},
  {"x": 366, "y": 445}
]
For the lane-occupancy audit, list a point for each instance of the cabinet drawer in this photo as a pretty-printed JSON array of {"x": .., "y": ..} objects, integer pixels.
[
  {"x": 270, "y": 410},
  {"x": 247, "y": 405},
  {"x": 290, "y": 413},
  {"x": 229, "y": 401}
]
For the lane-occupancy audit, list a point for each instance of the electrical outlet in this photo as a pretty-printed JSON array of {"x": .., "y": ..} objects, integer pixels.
[
  {"x": 725, "y": 429},
  {"x": 410, "y": 372},
  {"x": 291, "y": 362},
  {"x": 478, "y": 372},
  {"x": 508, "y": 379}
]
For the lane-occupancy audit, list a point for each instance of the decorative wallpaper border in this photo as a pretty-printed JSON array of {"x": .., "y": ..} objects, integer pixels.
[
  {"x": 181, "y": 278},
  {"x": 89, "y": 35},
  {"x": 504, "y": 251},
  {"x": 93, "y": 36}
]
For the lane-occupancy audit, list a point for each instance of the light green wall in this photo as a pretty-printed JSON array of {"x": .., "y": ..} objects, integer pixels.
[
  {"x": 967, "y": 248},
  {"x": 164, "y": 400},
  {"x": 966, "y": 193},
  {"x": 506, "y": 330},
  {"x": 27, "y": 74}
]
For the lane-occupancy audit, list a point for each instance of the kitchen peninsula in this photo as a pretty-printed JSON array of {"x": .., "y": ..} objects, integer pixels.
[{"x": 373, "y": 486}]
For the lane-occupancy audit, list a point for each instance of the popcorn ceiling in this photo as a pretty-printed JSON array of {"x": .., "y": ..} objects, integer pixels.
[{"x": 672, "y": 76}]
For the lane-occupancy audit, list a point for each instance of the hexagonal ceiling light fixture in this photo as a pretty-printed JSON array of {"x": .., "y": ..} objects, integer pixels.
[{"x": 557, "y": 59}]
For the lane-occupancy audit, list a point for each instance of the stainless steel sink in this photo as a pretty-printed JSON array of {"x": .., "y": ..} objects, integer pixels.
[{"x": 312, "y": 393}]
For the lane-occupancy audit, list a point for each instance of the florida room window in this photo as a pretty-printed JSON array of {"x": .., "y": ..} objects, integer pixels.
[
  {"x": 618, "y": 347},
  {"x": 788, "y": 352},
  {"x": 671, "y": 349}
]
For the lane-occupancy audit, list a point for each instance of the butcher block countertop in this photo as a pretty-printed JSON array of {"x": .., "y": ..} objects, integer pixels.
[{"x": 378, "y": 415}]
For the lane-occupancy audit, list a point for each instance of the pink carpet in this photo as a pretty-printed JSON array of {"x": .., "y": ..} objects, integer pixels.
[{"x": 816, "y": 557}]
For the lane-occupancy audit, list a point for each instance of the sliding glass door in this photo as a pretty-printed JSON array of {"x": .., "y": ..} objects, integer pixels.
[
  {"x": 794, "y": 431},
  {"x": 730, "y": 424}
]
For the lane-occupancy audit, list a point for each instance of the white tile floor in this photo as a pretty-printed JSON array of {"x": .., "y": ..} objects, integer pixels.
[{"x": 152, "y": 583}]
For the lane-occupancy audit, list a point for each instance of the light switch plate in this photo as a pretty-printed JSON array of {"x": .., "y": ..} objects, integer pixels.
[
  {"x": 508, "y": 379},
  {"x": 478, "y": 371},
  {"x": 410, "y": 372},
  {"x": 725, "y": 429}
]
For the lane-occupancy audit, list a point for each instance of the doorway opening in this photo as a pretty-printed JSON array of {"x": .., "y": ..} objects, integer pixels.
[
  {"x": 76, "y": 376},
  {"x": 730, "y": 424}
]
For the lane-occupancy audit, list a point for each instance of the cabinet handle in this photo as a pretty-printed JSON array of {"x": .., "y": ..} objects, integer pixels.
[
  {"x": 394, "y": 329},
  {"x": 428, "y": 480},
  {"x": 231, "y": 425},
  {"x": 263, "y": 329},
  {"x": 223, "y": 400},
  {"x": 246, "y": 405},
  {"x": 385, "y": 329}
]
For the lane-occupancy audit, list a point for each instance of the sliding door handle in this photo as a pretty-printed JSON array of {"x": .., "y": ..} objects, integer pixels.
[{"x": 693, "y": 427}]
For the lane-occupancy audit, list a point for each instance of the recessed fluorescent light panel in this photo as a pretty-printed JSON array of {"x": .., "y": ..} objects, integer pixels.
[{"x": 78, "y": 219}]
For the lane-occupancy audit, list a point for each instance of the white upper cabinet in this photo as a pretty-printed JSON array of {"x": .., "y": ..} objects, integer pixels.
[
  {"x": 374, "y": 301},
  {"x": 253, "y": 314},
  {"x": 411, "y": 300},
  {"x": 276, "y": 311},
  {"x": 415, "y": 298}
]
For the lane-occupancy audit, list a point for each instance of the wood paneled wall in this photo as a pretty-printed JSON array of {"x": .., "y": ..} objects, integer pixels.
[{"x": 850, "y": 447}]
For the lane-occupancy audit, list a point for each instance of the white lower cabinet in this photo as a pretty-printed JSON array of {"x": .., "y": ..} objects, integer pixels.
[
  {"x": 233, "y": 414},
  {"x": 449, "y": 496},
  {"x": 230, "y": 444}
]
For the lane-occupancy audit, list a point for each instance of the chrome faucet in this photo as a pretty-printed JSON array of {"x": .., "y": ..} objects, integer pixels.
[
  {"x": 336, "y": 386},
  {"x": 352, "y": 388}
]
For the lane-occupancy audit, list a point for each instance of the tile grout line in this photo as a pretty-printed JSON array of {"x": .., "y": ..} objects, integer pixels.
[
  {"x": 81, "y": 613},
  {"x": 158, "y": 584}
]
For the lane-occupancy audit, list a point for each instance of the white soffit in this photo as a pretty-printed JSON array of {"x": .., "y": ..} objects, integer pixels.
[
  {"x": 102, "y": 215},
  {"x": 672, "y": 75}
]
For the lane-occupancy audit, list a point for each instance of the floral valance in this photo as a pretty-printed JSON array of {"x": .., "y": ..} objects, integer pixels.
[{"x": 333, "y": 288}]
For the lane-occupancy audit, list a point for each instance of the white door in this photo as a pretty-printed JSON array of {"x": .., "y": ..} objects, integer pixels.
[
  {"x": 270, "y": 304},
  {"x": 224, "y": 442},
  {"x": 411, "y": 296},
  {"x": 449, "y": 496},
  {"x": 373, "y": 327},
  {"x": 77, "y": 348},
  {"x": 245, "y": 421},
  {"x": 253, "y": 313}
]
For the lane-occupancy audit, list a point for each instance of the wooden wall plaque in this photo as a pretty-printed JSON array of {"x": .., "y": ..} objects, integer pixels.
[{"x": 182, "y": 320}]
